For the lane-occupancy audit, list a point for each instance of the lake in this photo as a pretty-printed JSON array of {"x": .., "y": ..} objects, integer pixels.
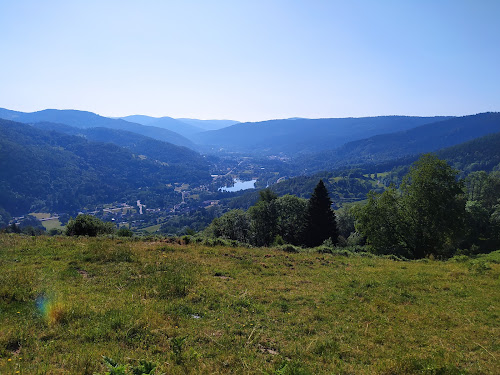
[{"x": 239, "y": 185}]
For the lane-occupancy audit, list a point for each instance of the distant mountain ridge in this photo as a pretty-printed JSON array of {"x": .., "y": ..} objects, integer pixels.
[
  {"x": 84, "y": 119},
  {"x": 209, "y": 124},
  {"x": 184, "y": 126},
  {"x": 305, "y": 135},
  {"x": 481, "y": 153},
  {"x": 425, "y": 138},
  {"x": 166, "y": 122}
]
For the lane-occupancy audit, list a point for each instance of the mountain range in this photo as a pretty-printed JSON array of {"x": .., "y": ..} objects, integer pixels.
[
  {"x": 61, "y": 159},
  {"x": 421, "y": 139},
  {"x": 184, "y": 126},
  {"x": 292, "y": 136},
  {"x": 83, "y": 119}
]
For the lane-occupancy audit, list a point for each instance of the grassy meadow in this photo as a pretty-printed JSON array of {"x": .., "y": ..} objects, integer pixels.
[{"x": 67, "y": 302}]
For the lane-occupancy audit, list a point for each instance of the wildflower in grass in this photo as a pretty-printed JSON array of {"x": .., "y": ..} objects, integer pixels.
[{"x": 10, "y": 359}]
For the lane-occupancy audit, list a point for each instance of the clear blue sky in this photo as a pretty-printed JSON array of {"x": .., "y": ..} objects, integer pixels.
[{"x": 251, "y": 60}]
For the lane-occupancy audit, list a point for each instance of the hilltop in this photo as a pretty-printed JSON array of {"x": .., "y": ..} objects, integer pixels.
[{"x": 66, "y": 302}]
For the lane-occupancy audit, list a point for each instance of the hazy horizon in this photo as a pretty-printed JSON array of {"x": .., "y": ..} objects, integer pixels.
[
  {"x": 240, "y": 121},
  {"x": 251, "y": 60}
]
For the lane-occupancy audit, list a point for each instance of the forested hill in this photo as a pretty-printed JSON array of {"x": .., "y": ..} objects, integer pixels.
[
  {"x": 42, "y": 170},
  {"x": 138, "y": 144},
  {"x": 346, "y": 184},
  {"x": 83, "y": 119},
  {"x": 480, "y": 154},
  {"x": 385, "y": 147},
  {"x": 305, "y": 135}
]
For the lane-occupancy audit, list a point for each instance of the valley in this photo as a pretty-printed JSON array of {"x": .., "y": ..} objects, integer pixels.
[
  {"x": 181, "y": 190},
  {"x": 250, "y": 187}
]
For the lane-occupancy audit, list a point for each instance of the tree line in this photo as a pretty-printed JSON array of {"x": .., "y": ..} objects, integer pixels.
[
  {"x": 432, "y": 213},
  {"x": 278, "y": 220}
]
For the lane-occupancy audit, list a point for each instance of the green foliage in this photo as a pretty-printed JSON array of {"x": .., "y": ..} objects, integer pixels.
[
  {"x": 177, "y": 344},
  {"x": 433, "y": 205},
  {"x": 345, "y": 220},
  {"x": 55, "y": 232},
  {"x": 320, "y": 218},
  {"x": 124, "y": 232},
  {"x": 277, "y": 220},
  {"x": 291, "y": 218},
  {"x": 233, "y": 225},
  {"x": 381, "y": 222},
  {"x": 426, "y": 218},
  {"x": 264, "y": 216},
  {"x": 144, "y": 367},
  {"x": 88, "y": 225},
  {"x": 4, "y": 218},
  {"x": 482, "y": 211},
  {"x": 115, "y": 368}
]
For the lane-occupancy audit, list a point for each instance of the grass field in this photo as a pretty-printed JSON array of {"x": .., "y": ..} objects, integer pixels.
[
  {"x": 53, "y": 224},
  {"x": 66, "y": 302},
  {"x": 152, "y": 228},
  {"x": 48, "y": 224}
]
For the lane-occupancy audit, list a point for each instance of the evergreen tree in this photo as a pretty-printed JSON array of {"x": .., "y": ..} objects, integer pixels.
[{"x": 321, "y": 223}]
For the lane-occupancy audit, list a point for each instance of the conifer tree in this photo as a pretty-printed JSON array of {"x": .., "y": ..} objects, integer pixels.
[{"x": 321, "y": 224}]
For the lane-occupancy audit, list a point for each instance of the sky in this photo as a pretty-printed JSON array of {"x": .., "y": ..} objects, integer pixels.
[{"x": 251, "y": 60}]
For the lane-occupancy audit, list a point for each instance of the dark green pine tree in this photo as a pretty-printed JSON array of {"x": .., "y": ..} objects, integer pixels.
[{"x": 321, "y": 223}]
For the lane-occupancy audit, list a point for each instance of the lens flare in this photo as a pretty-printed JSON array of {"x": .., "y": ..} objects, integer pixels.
[{"x": 51, "y": 311}]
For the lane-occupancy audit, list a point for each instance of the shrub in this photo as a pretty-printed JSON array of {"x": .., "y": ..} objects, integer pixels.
[
  {"x": 289, "y": 248},
  {"x": 88, "y": 225},
  {"x": 55, "y": 232},
  {"x": 124, "y": 232}
]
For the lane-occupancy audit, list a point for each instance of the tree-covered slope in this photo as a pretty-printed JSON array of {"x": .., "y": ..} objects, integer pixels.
[
  {"x": 479, "y": 154},
  {"x": 305, "y": 135},
  {"x": 83, "y": 119},
  {"x": 345, "y": 184},
  {"x": 139, "y": 144},
  {"x": 49, "y": 170},
  {"x": 425, "y": 138}
]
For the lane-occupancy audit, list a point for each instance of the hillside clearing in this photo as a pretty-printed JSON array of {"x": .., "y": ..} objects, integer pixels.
[{"x": 66, "y": 302}]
